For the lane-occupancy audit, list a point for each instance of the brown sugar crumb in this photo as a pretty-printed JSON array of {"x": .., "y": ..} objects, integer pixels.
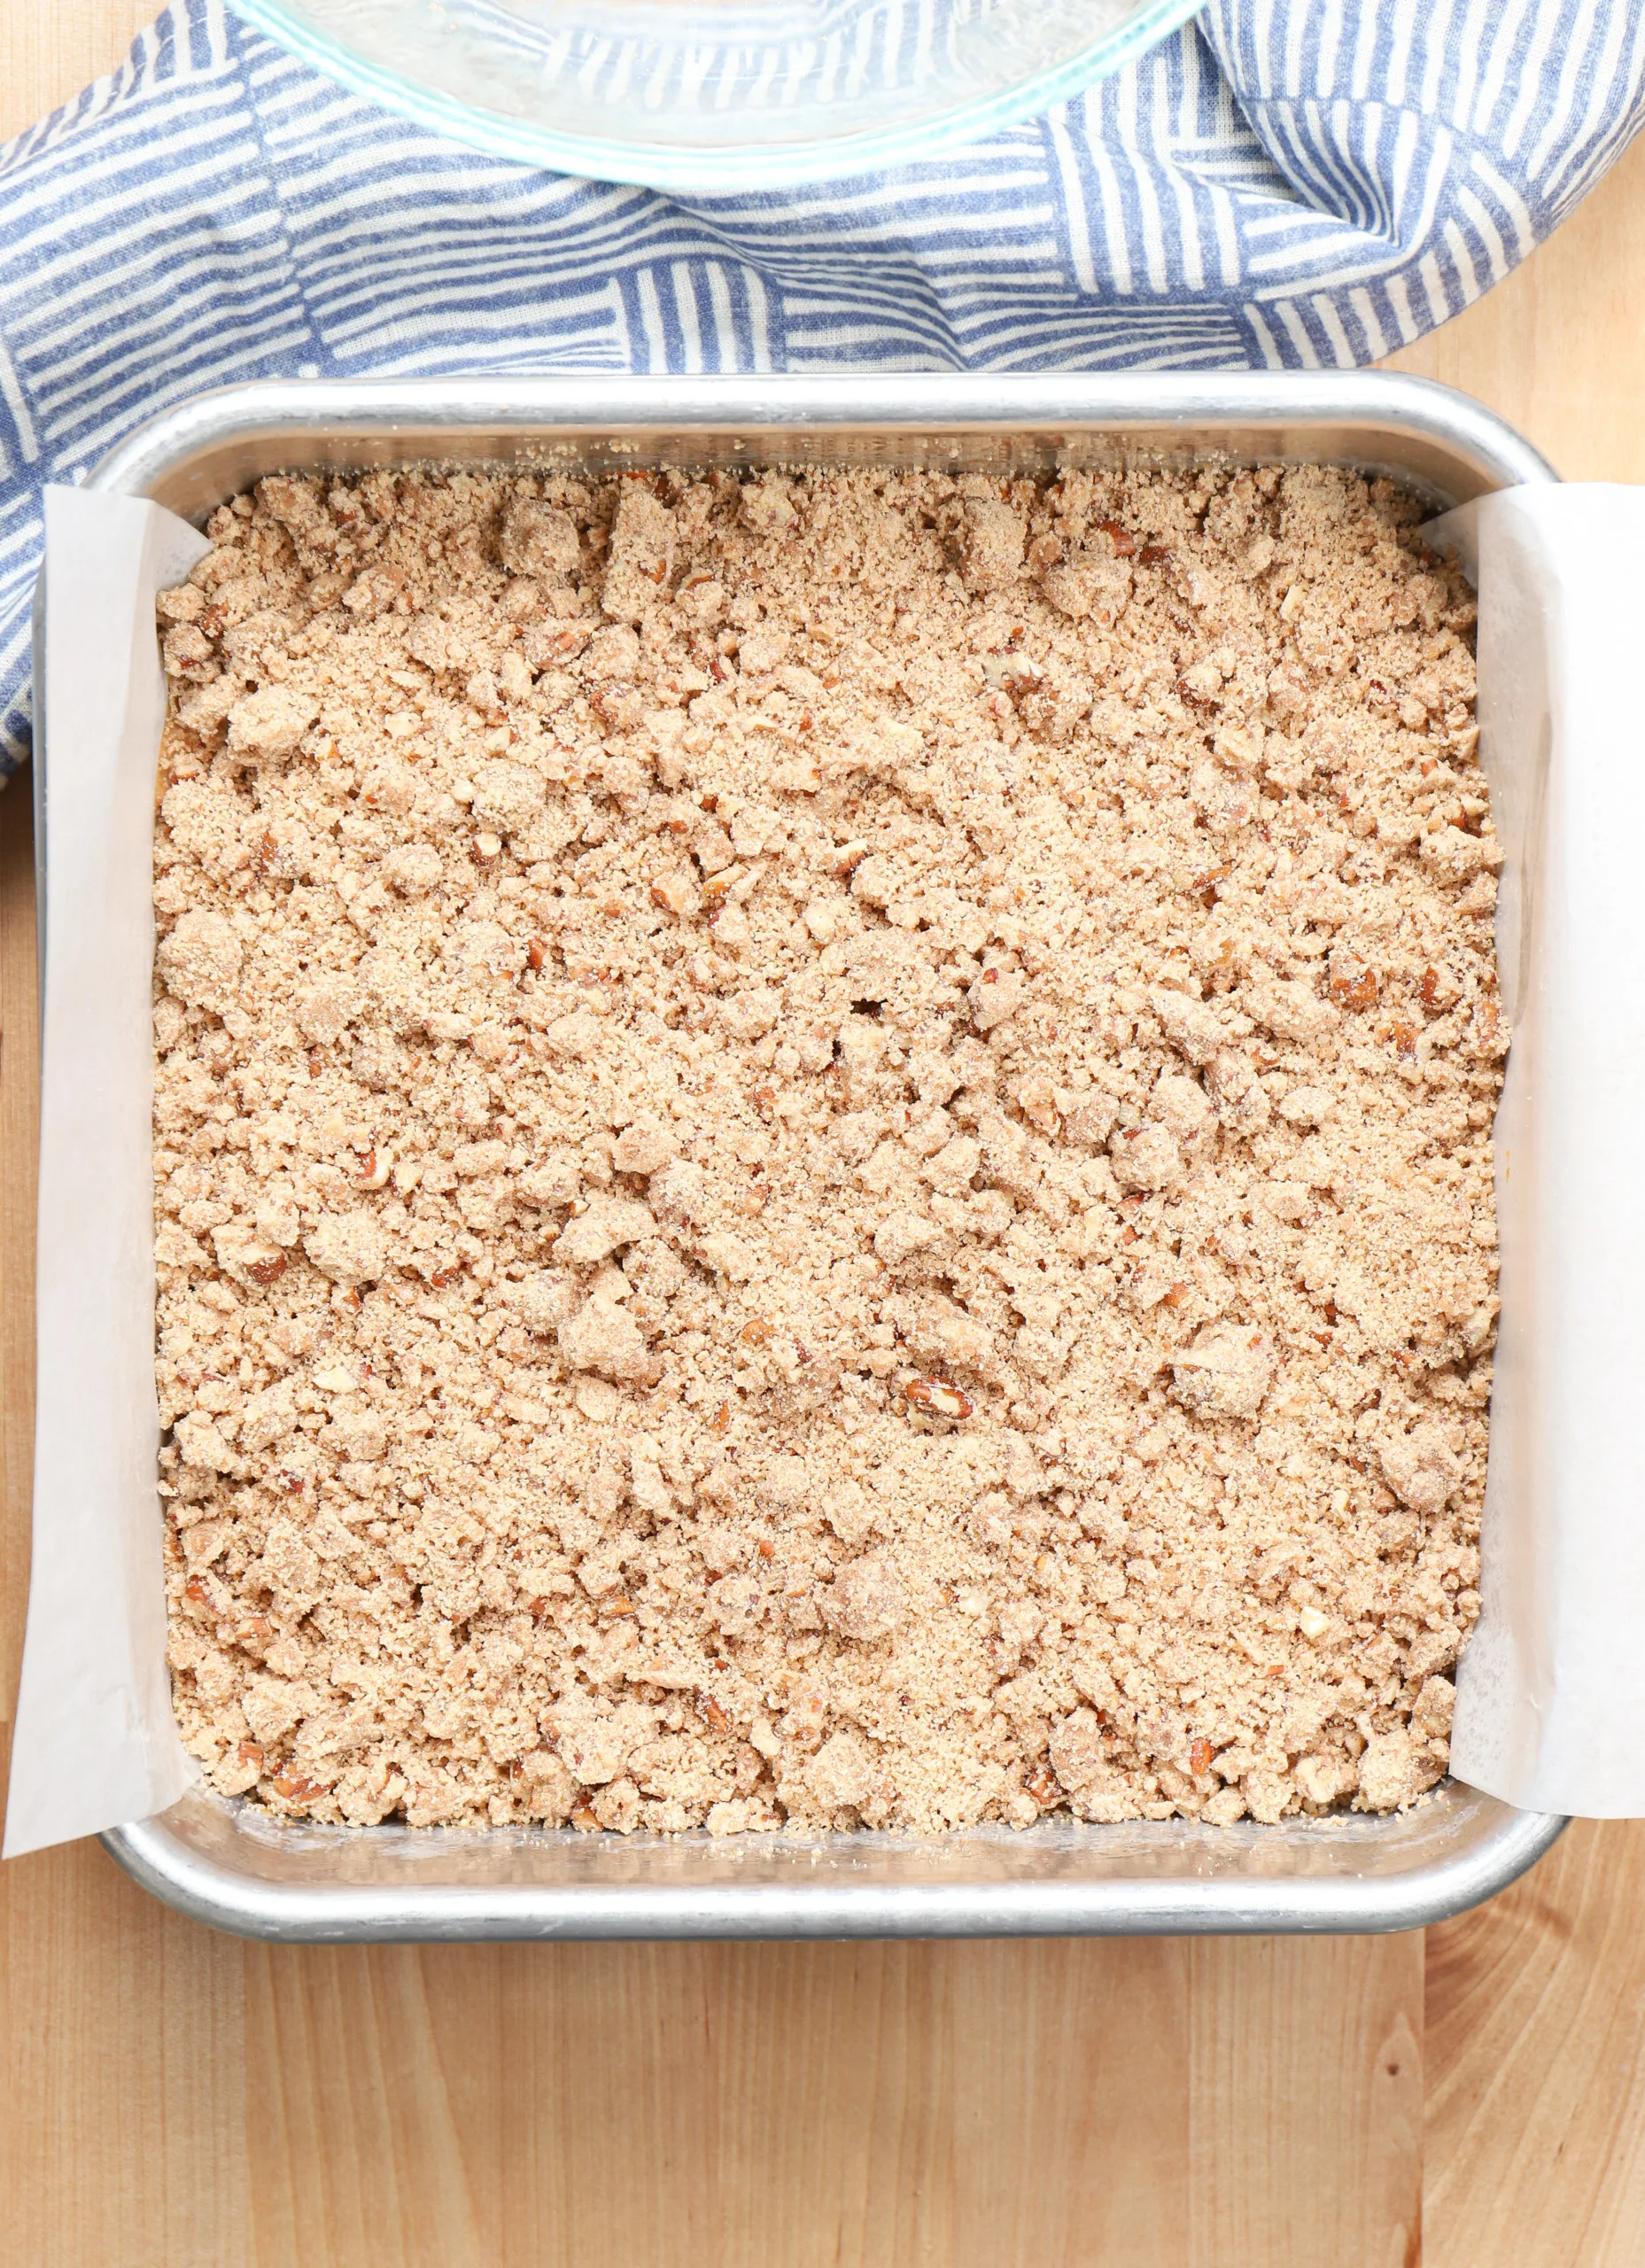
[{"x": 822, "y": 1148}]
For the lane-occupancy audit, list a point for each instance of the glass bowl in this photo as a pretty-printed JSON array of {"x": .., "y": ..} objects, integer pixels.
[{"x": 717, "y": 94}]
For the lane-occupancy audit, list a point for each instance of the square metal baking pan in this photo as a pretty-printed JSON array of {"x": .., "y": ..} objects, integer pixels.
[{"x": 234, "y": 1866}]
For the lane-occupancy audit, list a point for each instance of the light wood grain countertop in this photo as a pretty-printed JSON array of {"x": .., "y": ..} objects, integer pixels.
[{"x": 1472, "y": 2095}]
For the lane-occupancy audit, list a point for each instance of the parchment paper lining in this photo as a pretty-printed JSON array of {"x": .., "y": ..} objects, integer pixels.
[{"x": 1552, "y": 1688}]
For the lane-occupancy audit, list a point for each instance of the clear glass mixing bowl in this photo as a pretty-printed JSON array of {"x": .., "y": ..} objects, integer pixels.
[{"x": 717, "y": 94}]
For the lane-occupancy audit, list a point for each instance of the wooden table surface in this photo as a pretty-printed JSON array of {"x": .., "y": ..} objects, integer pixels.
[{"x": 1472, "y": 2095}]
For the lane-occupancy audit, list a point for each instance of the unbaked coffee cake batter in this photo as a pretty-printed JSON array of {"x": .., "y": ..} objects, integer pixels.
[{"x": 822, "y": 1148}]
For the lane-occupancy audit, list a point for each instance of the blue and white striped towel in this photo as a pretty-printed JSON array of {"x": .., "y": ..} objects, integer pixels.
[{"x": 1285, "y": 184}]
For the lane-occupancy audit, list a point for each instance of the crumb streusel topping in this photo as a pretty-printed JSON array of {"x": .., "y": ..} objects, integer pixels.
[{"x": 822, "y": 1148}]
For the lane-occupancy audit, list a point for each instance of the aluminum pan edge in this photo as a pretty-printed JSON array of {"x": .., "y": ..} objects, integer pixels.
[
  {"x": 1218, "y": 1891},
  {"x": 1358, "y": 1874},
  {"x": 190, "y": 455}
]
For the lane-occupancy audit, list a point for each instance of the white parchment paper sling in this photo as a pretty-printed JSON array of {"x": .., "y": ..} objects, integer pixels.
[
  {"x": 1552, "y": 1691},
  {"x": 95, "y": 1743}
]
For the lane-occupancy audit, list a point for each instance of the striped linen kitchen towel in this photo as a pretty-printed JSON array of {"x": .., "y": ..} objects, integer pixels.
[{"x": 1285, "y": 184}]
